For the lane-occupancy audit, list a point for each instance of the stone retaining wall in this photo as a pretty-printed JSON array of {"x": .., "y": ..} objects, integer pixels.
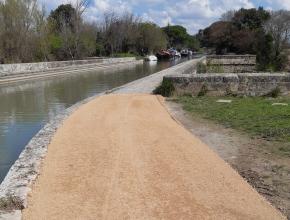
[
  {"x": 250, "y": 84},
  {"x": 10, "y": 69}
]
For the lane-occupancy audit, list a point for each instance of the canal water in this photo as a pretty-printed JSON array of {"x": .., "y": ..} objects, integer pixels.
[{"x": 26, "y": 107}]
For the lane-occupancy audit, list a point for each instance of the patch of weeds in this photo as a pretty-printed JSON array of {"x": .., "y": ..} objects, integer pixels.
[
  {"x": 285, "y": 150},
  {"x": 11, "y": 203},
  {"x": 203, "y": 91},
  {"x": 229, "y": 92},
  {"x": 275, "y": 93},
  {"x": 201, "y": 67},
  {"x": 215, "y": 68},
  {"x": 187, "y": 94},
  {"x": 166, "y": 88}
]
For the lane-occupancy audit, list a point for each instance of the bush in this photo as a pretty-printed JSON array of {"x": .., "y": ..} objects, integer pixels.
[
  {"x": 166, "y": 88},
  {"x": 202, "y": 91},
  {"x": 274, "y": 93},
  {"x": 201, "y": 67}
]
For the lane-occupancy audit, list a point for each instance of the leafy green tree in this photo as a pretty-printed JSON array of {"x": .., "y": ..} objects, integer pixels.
[
  {"x": 179, "y": 38},
  {"x": 63, "y": 16},
  {"x": 250, "y": 18},
  {"x": 71, "y": 38},
  {"x": 152, "y": 38},
  {"x": 177, "y": 35},
  {"x": 244, "y": 32}
]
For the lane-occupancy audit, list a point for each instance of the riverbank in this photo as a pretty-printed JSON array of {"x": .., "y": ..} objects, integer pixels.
[
  {"x": 143, "y": 169},
  {"x": 17, "y": 184}
]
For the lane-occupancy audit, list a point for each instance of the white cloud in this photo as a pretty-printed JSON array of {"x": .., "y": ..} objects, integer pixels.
[{"x": 193, "y": 14}]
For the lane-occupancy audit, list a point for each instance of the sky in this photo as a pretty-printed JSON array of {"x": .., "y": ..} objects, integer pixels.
[{"x": 193, "y": 14}]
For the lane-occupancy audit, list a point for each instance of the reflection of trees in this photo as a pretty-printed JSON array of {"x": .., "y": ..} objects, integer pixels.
[{"x": 26, "y": 107}]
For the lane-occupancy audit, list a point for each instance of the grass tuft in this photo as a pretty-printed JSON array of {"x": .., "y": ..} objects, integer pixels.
[{"x": 165, "y": 89}]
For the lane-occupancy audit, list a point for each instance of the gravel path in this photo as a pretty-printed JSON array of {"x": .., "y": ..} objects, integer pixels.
[{"x": 108, "y": 161}]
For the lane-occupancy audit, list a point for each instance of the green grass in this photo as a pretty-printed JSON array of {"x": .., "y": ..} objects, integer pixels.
[{"x": 254, "y": 115}]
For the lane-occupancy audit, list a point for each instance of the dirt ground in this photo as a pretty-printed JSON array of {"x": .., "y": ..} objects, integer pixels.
[
  {"x": 253, "y": 158},
  {"x": 124, "y": 157}
]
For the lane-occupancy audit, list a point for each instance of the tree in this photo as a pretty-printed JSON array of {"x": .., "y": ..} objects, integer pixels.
[
  {"x": 243, "y": 32},
  {"x": 152, "y": 38},
  {"x": 119, "y": 33},
  {"x": 18, "y": 29},
  {"x": 70, "y": 37},
  {"x": 279, "y": 27},
  {"x": 178, "y": 38},
  {"x": 250, "y": 18},
  {"x": 219, "y": 35}
]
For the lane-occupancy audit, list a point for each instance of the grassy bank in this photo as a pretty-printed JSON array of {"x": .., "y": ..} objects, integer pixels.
[{"x": 255, "y": 116}]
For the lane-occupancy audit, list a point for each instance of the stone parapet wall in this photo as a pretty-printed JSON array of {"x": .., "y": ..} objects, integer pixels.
[
  {"x": 10, "y": 69},
  {"x": 232, "y": 59},
  {"x": 231, "y": 63},
  {"x": 250, "y": 84}
]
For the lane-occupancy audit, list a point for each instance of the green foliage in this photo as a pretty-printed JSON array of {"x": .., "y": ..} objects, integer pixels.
[
  {"x": 254, "y": 115},
  {"x": 55, "y": 42},
  {"x": 275, "y": 93},
  {"x": 166, "y": 88},
  {"x": 244, "y": 33},
  {"x": 63, "y": 16},
  {"x": 250, "y": 18},
  {"x": 209, "y": 68},
  {"x": 203, "y": 91},
  {"x": 179, "y": 38},
  {"x": 152, "y": 38},
  {"x": 217, "y": 68},
  {"x": 264, "y": 51},
  {"x": 201, "y": 67}
]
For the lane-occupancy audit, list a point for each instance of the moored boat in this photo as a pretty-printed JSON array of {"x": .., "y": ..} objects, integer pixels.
[
  {"x": 184, "y": 52},
  {"x": 151, "y": 58},
  {"x": 163, "y": 54}
]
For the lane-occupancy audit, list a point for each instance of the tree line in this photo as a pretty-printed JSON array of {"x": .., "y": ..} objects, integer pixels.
[
  {"x": 28, "y": 34},
  {"x": 251, "y": 31}
]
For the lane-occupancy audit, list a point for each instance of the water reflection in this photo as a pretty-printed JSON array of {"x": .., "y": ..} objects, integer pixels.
[{"x": 26, "y": 107}]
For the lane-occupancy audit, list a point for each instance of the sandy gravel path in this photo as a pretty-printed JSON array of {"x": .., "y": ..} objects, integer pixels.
[{"x": 124, "y": 157}]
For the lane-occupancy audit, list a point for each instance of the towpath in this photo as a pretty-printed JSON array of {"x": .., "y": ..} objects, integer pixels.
[{"x": 124, "y": 157}]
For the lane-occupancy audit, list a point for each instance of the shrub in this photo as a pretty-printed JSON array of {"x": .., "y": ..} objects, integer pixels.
[
  {"x": 166, "y": 88},
  {"x": 229, "y": 92},
  {"x": 201, "y": 67},
  {"x": 202, "y": 91},
  {"x": 274, "y": 93}
]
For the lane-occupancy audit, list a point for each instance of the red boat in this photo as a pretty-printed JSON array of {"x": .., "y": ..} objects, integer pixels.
[{"x": 164, "y": 54}]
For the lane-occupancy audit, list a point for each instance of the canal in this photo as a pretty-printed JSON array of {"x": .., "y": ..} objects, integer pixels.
[{"x": 26, "y": 107}]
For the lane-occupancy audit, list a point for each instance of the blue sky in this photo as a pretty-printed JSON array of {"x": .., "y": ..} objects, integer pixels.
[{"x": 193, "y": 14}]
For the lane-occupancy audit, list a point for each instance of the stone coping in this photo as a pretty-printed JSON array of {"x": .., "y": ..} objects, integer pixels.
[{"x": 18, "y": 68}]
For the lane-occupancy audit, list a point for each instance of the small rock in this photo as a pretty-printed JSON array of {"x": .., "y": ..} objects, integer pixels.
[
  {"x": 281, "y": 104},
  {"x": 224, "y": 101}
]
